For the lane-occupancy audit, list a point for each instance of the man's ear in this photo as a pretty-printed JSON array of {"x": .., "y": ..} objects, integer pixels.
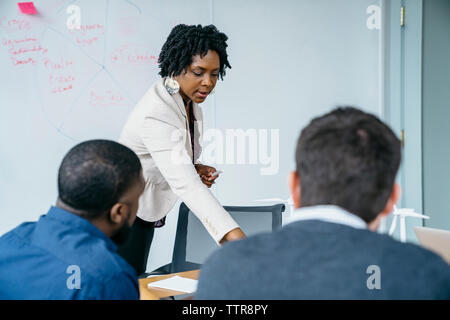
[
  {"x": 393, "y": 198},
  {"x": 119, "y": 213},
  {"x": 294, "y": 187}
]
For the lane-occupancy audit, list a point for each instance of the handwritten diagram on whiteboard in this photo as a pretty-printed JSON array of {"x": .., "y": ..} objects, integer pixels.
[{"x": 87, "y": 78}]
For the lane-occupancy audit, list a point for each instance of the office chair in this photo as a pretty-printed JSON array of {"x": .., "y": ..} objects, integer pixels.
[{"x": 193, "y": 244}]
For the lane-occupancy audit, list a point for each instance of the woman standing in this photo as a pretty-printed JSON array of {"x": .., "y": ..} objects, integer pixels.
[{"x": 165, "y": 129}]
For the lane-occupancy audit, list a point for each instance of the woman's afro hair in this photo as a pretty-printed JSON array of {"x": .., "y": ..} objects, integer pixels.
[{"x": 185, "y": 41}]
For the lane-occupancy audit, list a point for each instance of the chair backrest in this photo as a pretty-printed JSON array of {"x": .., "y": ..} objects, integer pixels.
[{"x": 193, "y": 244}]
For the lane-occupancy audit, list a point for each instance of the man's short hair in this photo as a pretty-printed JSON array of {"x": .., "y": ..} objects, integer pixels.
[
  {"x": 95, "y": 174},
  {"x": 348, "y": 158}
]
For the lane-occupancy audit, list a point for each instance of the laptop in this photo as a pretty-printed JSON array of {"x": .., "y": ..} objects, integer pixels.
[{"x": 436, "y": 240}]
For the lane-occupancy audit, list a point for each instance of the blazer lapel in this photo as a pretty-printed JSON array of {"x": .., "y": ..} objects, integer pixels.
[
  {"x": 198, "y": 113},
  {"x": 198, "y": 130},
  {"x": 180, "y": 104}
]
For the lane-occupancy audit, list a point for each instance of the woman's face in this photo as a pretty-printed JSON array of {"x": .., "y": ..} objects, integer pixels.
[{"x": 200, "y": 77}]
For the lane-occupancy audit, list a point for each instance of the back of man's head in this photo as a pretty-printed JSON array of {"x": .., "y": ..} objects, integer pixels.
[
  {"x": 348, "y": 158},
  {"x": 95, "y": 174}
]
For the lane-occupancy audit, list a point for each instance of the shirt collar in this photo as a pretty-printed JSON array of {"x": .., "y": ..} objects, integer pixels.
[
  {"x": 328, "y": 213},
  {"x": 77, "y": 222}
]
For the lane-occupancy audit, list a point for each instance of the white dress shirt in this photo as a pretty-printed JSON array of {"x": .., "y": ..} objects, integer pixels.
[{"x": 328, "y": 213}]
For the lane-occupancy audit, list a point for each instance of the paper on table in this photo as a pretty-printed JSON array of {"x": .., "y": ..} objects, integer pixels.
[{"x": 176, "y": 283}]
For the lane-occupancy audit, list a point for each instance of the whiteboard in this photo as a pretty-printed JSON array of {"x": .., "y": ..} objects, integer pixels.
[{"x": 60, "y": 86}]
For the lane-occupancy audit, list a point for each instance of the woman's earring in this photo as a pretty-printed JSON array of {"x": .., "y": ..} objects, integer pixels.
[{"x": 172, "y": 85}]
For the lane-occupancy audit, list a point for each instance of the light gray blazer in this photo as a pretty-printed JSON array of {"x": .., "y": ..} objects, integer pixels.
[{"x": 157, "y": 131}]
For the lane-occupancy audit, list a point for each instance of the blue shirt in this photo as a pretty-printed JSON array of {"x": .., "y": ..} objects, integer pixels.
[{"x": 63, "y": 256}]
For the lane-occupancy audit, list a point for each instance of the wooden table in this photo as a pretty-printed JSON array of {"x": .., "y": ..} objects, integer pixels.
[{"x": 154, "y": 293}]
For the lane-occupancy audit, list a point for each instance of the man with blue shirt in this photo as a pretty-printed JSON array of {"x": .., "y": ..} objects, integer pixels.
[
  {"x": 344, "y": 184},
  {"x": 70, "y": 253}
]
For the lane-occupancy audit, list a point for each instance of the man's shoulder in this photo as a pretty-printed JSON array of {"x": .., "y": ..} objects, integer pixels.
[
  {"x": 110, "y": 284},
  {"x": 102, "y": 272},
  {"x": 100, "y": 261},
  {"x": 414, "y": 256},
  {"x": 19, "y": 236},
  {"x": 93, "y": 255}
]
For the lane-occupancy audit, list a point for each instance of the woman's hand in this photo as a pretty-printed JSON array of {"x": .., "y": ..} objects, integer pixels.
[
  {"x": 206, "y": 174},
  {"x": 233, "y": 235}
]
